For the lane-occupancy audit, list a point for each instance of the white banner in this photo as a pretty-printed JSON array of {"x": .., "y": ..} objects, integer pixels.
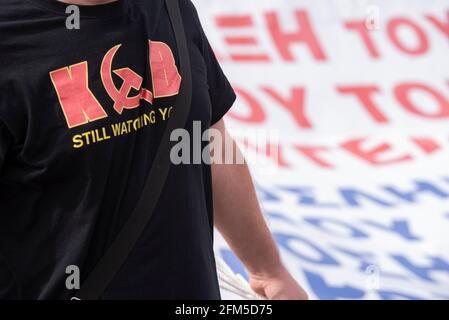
[{"x": 356, "y": 95}]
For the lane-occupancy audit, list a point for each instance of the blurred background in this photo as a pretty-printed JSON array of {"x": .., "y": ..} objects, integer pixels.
[{"x": 343, "y": 112}]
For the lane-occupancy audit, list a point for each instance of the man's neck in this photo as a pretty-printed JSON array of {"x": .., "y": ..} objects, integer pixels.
[{"x": 87, "y": 2}]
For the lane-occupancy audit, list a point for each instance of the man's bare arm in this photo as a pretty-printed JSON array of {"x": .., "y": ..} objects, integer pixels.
[{"x": 239, "y": 219}]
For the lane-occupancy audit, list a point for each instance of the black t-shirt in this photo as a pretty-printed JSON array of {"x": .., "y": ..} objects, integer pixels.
[{"x": 81, "y": 116}]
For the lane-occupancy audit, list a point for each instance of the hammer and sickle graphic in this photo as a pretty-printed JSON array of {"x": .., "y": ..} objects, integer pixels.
[{"x": 131, "y": 80}]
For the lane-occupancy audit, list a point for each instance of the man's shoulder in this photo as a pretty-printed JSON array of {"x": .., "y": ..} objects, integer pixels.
[
  {"x": 14, "y": 18},
  {"x": 184, "y": 4},
  {"x": 18, "y": 15},
  {"x": 187, "y": 7},
  {"x": 11, "y": 9},
  {"x": 156, "y": 9}
]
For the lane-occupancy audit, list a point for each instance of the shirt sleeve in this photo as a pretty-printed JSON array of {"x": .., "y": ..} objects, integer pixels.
[
  {"x": 6, "y": 135},
  {"x": 5, "y": 143},
  {"x": 12, "y": 119},
  {"x": 221, "y": 93}
]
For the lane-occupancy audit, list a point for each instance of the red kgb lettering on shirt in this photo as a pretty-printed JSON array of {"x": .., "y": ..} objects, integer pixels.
[
  {"x": 166, "y": 78},
  {"x": 77, "y": 101},
  {"x": 80, "y": 105}
]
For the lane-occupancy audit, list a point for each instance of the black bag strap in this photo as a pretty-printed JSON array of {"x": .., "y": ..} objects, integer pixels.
[{"x": 97, "y": 281}]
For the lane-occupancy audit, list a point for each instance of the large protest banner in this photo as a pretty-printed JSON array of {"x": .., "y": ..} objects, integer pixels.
[{"x": 355, "y": 98}]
